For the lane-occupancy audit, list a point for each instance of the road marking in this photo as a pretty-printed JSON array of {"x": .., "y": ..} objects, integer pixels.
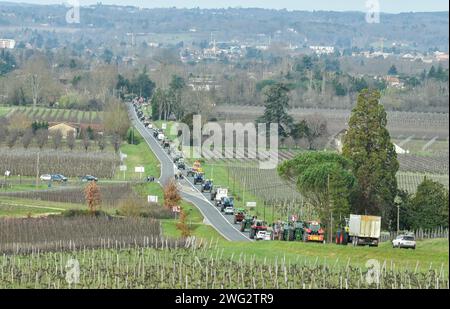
[{"x": 209, "y": 202}]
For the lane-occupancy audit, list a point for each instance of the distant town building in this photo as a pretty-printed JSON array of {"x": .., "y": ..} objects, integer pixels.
[
  {"x": 322, "y": 50},
  {"x": 394, "y": 82},
  {"x": 440, "y": 56},
  {"x": 203, "y": 83},
  {"x": 7, "y": 44}
]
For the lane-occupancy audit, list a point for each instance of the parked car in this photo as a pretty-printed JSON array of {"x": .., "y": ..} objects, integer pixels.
[
  {"x": 89, "y": 178},
  {"x": 404, "y": 241},
  {"x": 229, "y": 210},
  {"x": 46, "y": 177},
  {"x": 59, "y": 178}
]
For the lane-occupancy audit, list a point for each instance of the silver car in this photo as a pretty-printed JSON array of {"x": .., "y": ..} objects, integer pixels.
[{"x": 46, "y": 177}]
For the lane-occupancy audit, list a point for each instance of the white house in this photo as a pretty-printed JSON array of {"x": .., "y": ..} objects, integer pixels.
[{"x": 7, "y": 44}]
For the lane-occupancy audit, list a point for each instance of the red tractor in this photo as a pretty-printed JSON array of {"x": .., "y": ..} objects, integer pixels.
[
  {"x": 313, "y": 232},
  {"x": 239, "y": 215},
  {"x": 258, "y": 225}
]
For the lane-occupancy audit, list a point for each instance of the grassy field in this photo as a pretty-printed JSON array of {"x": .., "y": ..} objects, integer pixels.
[
  {"x": 18, "y": 207},
  {"x": 423, "y": 147},
  {"x": 429, "y": 252},
  {"x": 15, "y": 211},
  {"x": 138, "y": 155},
  {"x": 4, "y": 110}
]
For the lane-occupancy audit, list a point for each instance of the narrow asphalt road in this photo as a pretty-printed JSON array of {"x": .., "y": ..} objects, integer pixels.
[{"x": 188, "y": 191}]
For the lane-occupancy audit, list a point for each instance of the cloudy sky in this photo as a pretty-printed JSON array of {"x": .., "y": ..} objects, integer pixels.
[{"x": 390, "y": 6}]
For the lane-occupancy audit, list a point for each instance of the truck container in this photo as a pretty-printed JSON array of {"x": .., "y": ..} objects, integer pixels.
[{"x": 364, "y": 230}]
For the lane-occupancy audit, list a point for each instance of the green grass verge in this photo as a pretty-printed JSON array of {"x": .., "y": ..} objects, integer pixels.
[
  {"x": 12, "y": 211},
  {"x": 4, "y": 110},
  {"x": 139, "y": 155}
]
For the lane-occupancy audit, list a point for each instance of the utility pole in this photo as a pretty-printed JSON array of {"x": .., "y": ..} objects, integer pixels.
[
  {"x": 37, "y": 169},
  {"x": 398, "y": 219},
  {"x": 243, "y": 193},
  {"x": 329, "y": 207}
]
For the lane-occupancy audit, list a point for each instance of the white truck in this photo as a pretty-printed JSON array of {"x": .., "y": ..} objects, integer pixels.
[
  {"x": 364, "y": 230},
  {"x": 218, "y": 194}
]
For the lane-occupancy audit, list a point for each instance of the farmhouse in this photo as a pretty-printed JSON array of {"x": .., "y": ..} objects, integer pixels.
[{"x": 63, "y": 128}]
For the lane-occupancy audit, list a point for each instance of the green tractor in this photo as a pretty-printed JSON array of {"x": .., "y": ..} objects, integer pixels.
[
  {"x": 299, "y": 229},
  {"x": 287, "y": 231},
  {"x": 246, "y": 223}
]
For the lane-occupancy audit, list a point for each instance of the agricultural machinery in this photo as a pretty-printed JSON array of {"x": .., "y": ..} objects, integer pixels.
[
  {"x": 239, "y": 215},
  {"x": 313, "y": 232},
  {"x": 226, "y": 202},
  {"x": 207, "y": 186},
  {"x": 181, "y": 165},
  {"x": 218, "y": 194},
  {"x": 343, "y": 234},
  {"x": 287, "y": 231},
  {"x": 257, "y": 226},
  {"x": 246, "y": 223},
  {"x": 197, "y": 167},
  {"x": 166, "y": 144},
  {"x": 199, "y": 178}
]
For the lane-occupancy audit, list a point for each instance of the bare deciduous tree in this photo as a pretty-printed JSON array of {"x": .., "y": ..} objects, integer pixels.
[
  {"x": 116, "y": 141},
  {"x": 317, "y": 129},
  {"x": 27, "y": 138},
  {"x": 70, "y": 139},
  {"x": 86, "y": 142},
  {"x": 101, "y": 141},
  {"x": 57, "y": 139},
  {"x": 12, "y": 138},
  {"x": 41, "y": 137},
  {"x": 37, "y": 74}
]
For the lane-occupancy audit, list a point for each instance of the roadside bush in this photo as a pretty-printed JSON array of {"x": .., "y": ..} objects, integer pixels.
[
  {"x": 133, "y": 206},
  {"x": 72, "y": 213}
]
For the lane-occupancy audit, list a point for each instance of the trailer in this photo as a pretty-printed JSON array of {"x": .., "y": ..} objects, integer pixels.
[
  {"x": 364, "y": 230},
  {"x": 218, "y": 194}
]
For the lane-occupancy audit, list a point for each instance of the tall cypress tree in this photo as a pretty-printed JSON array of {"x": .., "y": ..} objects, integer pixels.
[{"x": 368, "y": 144}]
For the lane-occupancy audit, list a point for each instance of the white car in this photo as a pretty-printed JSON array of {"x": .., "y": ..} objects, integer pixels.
[
  {"x": 404, "y": 241},
  {"x": 150, "y": 126},
  {"x": 263, "y": 235},
  {"x": 229, "y": 211},
  {"x": 46, "y": 177}
]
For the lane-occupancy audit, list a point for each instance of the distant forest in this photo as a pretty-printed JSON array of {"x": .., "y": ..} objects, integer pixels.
[{"x": 418, "y": 31}]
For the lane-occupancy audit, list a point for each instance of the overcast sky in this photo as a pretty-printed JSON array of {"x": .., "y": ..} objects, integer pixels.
[{"x": 389, "y": 6}]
